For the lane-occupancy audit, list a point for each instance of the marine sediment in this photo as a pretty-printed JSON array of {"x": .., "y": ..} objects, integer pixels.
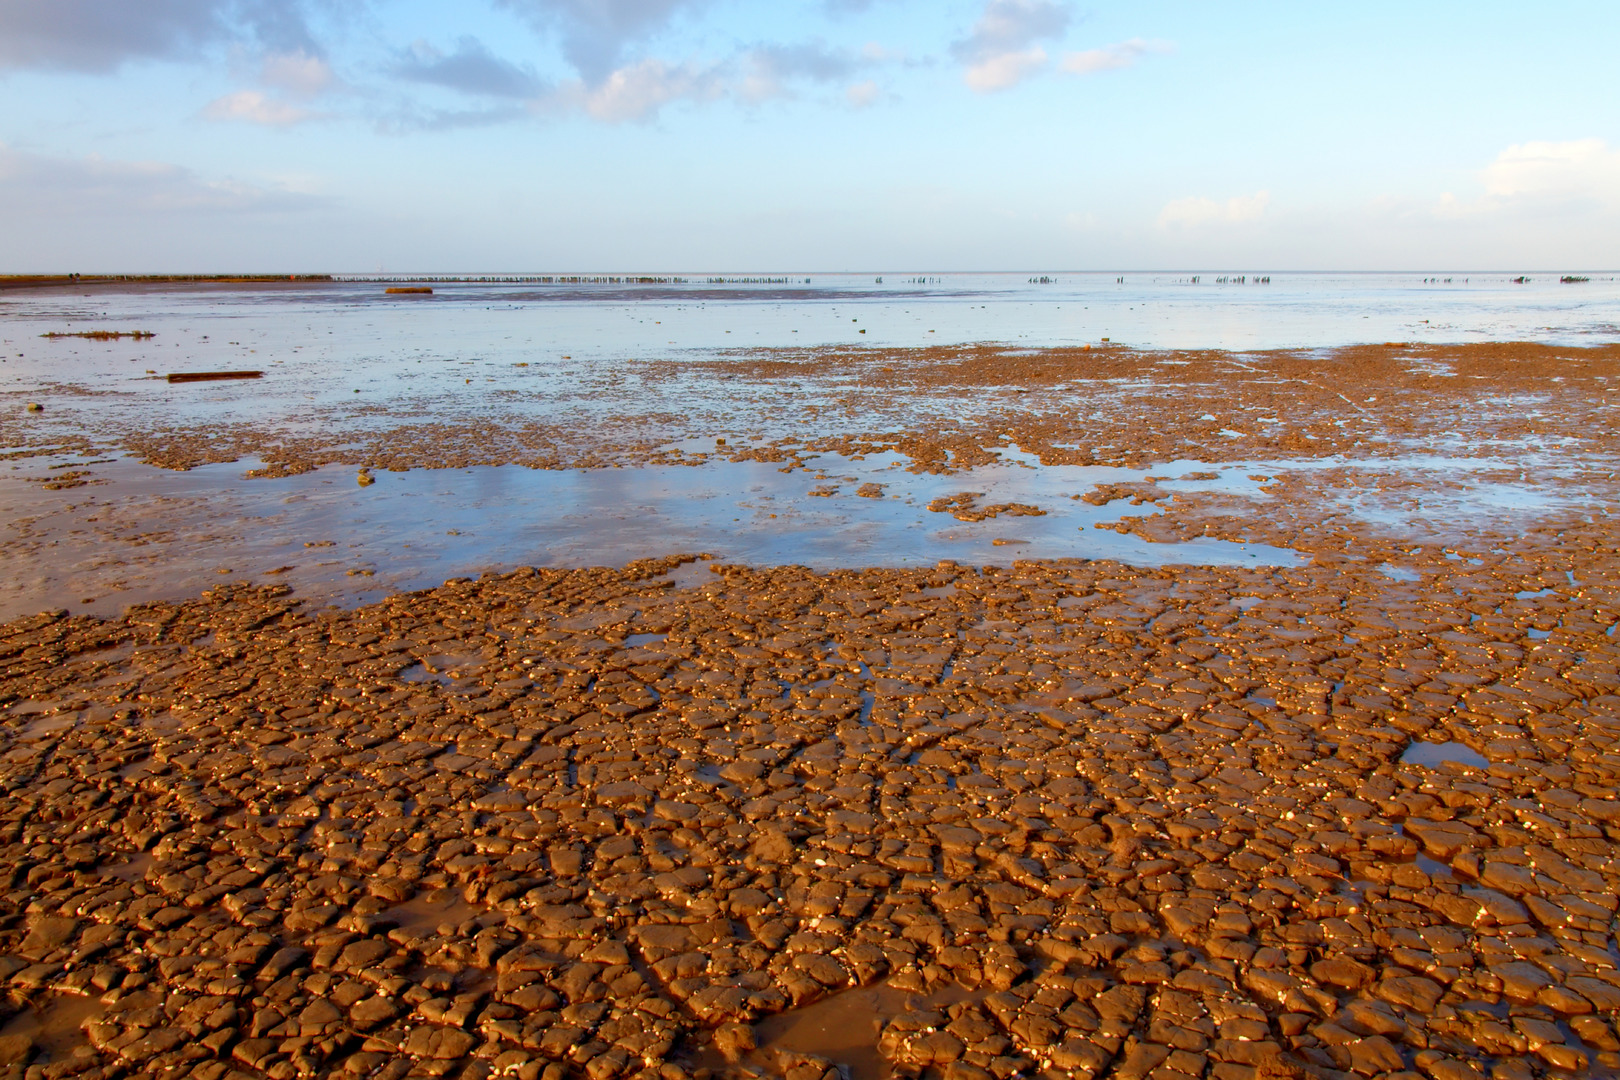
[{"x": 685, "y": 818}]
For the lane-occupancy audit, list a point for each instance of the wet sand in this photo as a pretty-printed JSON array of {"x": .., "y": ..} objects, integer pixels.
[{"x": 1350, "y": 814}]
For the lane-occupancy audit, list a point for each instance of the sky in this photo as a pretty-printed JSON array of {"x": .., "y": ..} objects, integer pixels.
[{"x": 806, "y": 135}]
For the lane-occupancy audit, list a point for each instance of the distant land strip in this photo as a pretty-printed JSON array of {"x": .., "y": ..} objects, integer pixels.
[
  {"x": 558, "y": 279},
  {"x": 35, "y": 281},
  {"x": 39, "y": 281}
]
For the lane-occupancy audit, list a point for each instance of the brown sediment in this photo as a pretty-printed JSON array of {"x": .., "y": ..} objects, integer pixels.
[
  {"x": 102, "y": 335},
  {"x": 1103, "y": 494},
  {"x": 1061, "y": 818},
  {"x": 209, "y": 376},
  {"x": 1075, "y": 818},
  {"x": 964, "y": 506},
  {"x": 409, "y": 290},
  {"x": 948, "y": 409},
  {"x": 104, "y": 281}
]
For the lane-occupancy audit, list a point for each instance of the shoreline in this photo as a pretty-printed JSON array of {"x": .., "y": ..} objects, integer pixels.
[
  {"x": 827, "y": 457},
  {"x": 945, "y": 407}
]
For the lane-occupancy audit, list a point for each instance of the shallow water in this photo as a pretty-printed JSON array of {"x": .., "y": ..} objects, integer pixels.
[
  {"x": 844, "y": 1028},
  {"x": 53, "y": 1023},
  {"x": 137, "y": 533},
  {"x": 150, "y": 534},
  {"x": 570, "y": 358},
  {"x": 576, "y": 352},
  {"x": 1432, "y": 754},
  {"x": 1149, "y": 310}
]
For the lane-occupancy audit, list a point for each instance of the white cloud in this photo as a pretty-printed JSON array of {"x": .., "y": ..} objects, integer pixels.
[
  {"x": 1002, "y": 51},
  {"x": 1541, "y": 179},
  {"x": 638, "y": 91},
  {"x": 74, "y": 187},
  {"x": 862, "y": 94},
  {"x": 256, "y": 107},
  {"x": 298, "y": 72},
  {"x": 635, "y": 91},
  {"x": 1196, "y": 210},
  {"x": 1585, "y": 170},
  {"x": 1113, "y": 57},
  {"x": 1004, "y": 70}
]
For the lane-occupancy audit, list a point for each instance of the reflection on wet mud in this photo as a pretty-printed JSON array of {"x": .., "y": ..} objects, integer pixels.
[
  {"x": 153, "y": 534},
  {"x": 843, "y": 1031},
  {"x": 1434, "y": 753}
]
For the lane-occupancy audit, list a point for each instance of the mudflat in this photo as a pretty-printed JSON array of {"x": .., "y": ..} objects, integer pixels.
[{"x": 688, "y": 816}]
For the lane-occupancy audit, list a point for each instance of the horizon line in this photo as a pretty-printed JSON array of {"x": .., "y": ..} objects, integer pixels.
[{"x": 307, "y": 275}]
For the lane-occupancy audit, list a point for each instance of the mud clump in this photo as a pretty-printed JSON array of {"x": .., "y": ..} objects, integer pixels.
[
  {"x": 1063, "y": 818},
  {"x": 102, "y": 335},
  {"x": 1137, "y": 493},
  {"x": 964, "y": 506}
]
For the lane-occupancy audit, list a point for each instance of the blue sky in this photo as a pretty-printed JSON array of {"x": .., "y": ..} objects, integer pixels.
[{"x": 690, "y": 135}]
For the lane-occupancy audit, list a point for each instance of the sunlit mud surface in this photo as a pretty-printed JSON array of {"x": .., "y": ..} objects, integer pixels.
[{"x": 1061, "y": 817}]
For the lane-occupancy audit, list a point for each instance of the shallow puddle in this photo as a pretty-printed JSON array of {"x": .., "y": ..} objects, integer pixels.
[
  {"x": 48, "y": 726},
  {"x": 133, "y": 870},
  {"x": 845, "y": 1027},
  {"x": 421, "y": 673},
  {"x": 636, "y": 641},
  {"x": 1432, "y": 867},
  {"x": 426, "y": 912},
  {"x": 1432, "y": 754},
  {"x": 53, "y": 1023},
  {"x": 31, "y": 707},
  {"x": 154, "y": 534},
  {"x": 453, "y": 665}
]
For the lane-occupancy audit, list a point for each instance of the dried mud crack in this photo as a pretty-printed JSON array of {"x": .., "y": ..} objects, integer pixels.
[{"x": 1062, "y": 818}]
